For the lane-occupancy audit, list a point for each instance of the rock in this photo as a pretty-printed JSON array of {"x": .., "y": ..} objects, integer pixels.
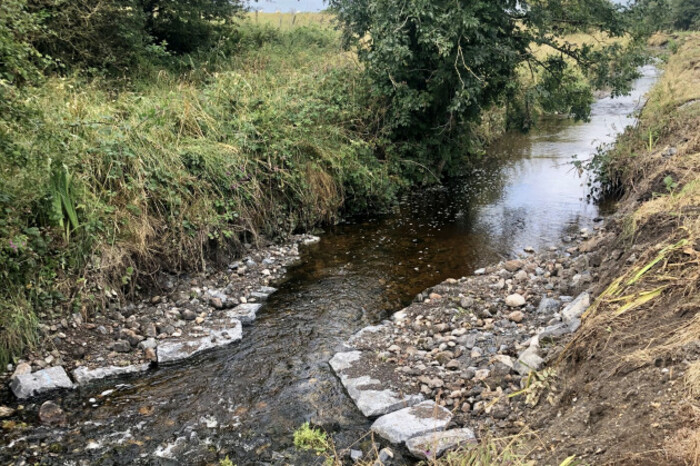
[
  {"x": 311, "y": 240},
  {"x": 148, "y": 343},
  {"x": 6, "y": 412},
  {"x": 414, "y": 421},
  {"x": 189, "y": 314},
  {"x": 516, "y": 316},
  {"x": 132, "y": 337},
  {"x": 172, "y": 351},
  {"x": 385, "y": 457},
  {"x": 150, "y": 354},
  {"x": 480, "y": 272},
  {"x": 554, "y": 332},
  {"x": 512, "y": 266},
  {"x": 363, "y": 389},
  {"x": 22, "y": 369},
  {"x": 151, "y": 331},
  {"x": 529, "y": 360},
  {"x": 121, "y": 346},
  {"x": 576, "y": 308},
  {"x": 548, "y": 306},
  {"x": 515, "y": 300},
  {"x": 355, "y": 455},
  {"x": 529, "y": 249},
  {"x": 27, "y": 385},
  {"x": 84, "y": 376},
  {"x": 263, "y": 293},
  {"x": 246, "y": 313},
  {"x": 216, "y": 303},
  {"x": 434, "y": 445},
  {"x": 50, "y": 414}
]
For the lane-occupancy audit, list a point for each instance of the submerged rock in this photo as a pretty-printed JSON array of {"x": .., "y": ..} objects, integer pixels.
[
  {"x": 84, "y": 376},
  {"x": 51, "y": 414},
  {"x": 28, "y": 385},
  {"x": 179, "y": 350},
  {"x": 407, "y": 423}
]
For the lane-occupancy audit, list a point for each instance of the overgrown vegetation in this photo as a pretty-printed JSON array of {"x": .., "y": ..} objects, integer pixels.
[
  {"x": 105, "y": 181},
  {"x": 441, "y": 64}
]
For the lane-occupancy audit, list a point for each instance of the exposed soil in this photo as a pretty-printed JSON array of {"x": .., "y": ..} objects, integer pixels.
[{"x": 627, "y": 383}]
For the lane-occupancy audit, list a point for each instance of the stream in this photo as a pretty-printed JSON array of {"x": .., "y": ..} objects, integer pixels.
[{"x": 245, "y": 401}]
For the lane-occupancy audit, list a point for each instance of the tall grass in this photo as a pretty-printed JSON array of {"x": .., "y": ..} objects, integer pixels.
[{"x": 272, "y": 133}]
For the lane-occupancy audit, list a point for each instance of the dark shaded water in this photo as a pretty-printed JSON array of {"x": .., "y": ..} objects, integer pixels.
[{"x": 246, "y": 400}]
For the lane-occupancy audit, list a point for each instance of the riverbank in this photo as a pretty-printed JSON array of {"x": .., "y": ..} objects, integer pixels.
[
  {"x": 494, "y": 351},
  {"x": 107, "y": 182}
]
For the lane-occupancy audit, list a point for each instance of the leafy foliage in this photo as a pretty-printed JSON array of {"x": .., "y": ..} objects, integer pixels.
[
  {"x": 654, "y": 15},
  {"x": 440, "y": 64}
]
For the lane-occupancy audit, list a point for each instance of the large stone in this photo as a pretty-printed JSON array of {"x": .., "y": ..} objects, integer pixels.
[
  {"x": 548, "y": 306},
  {"x": 529, "y": 360},
  {"x": 28, "y": 385},
  {"x": 83, "y": 375},
  {"x": 515, "y": 300},
  {"x": 434, "y": 445},
  {"x": 263, "y": 293},
  {"x": 407, "y": 423},
  {"x": 364, "y": 390},
  {"x": 246, "y": 313},
  {"x": 554, "y": 332},
  {"x": 576, "y": 308},
  {"x": 179, "y": 350}
]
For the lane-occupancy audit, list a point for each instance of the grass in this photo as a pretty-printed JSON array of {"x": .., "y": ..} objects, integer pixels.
[
  {"x": 109, "y": 182},
  {"x": 290, "y": 20}
]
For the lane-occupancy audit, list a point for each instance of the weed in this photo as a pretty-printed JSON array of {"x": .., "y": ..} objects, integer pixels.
[{"x": 309, "y": 438}]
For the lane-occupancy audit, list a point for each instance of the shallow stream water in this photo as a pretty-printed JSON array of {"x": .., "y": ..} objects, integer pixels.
[{"x": 246, "y": 400}]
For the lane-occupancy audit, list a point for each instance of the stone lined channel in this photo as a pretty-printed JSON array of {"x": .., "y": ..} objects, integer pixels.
[{"x": 247, "y": 399}]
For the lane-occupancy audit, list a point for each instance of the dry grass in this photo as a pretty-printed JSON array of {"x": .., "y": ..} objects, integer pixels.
[
  {"x": 594, "y": 39},
  {"x": 290, "y": 20}
]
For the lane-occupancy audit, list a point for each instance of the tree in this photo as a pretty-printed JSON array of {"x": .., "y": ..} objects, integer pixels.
[
  {"x": 686, "y": 15},
  {"x": 186, "y": 25},
  {"x": 440, "y": 63}
]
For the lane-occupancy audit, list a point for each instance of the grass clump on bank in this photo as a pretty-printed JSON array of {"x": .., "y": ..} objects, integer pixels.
[{"x": 107, "y": 181}]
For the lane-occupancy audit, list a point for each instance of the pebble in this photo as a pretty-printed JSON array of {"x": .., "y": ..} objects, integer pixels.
[
  {"x": 51, "y": 414},
  {"x": 515, "y": 300}
]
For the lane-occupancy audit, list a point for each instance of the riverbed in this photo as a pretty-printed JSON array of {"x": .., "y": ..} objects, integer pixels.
[{"x": 245, "y": 401}]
